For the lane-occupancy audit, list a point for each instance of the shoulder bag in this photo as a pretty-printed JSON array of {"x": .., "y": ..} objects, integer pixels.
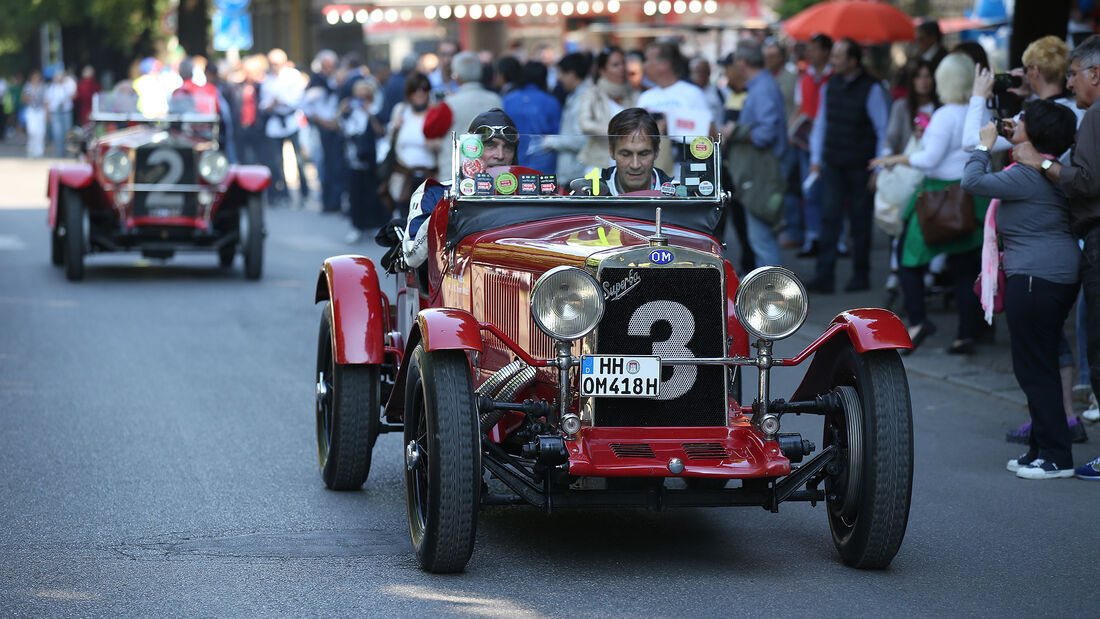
[{"x": 946, "y": 215}]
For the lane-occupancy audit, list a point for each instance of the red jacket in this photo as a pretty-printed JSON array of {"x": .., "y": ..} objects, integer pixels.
[{"x": 810, "y": 86}]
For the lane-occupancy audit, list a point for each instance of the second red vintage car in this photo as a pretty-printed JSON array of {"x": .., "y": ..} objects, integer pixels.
[
  {"x": 157, "y": 184},
  {"x": 584, "y": 351}
]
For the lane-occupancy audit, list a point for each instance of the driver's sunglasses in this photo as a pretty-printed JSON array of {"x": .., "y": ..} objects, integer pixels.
[{"x": 504, "y": 132}]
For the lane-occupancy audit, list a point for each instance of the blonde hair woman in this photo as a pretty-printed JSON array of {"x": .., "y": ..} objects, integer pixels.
[{"x": 941, "y": 158}]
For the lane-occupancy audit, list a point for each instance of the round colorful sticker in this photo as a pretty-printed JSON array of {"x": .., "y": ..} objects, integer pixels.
[
  {"x": 701, "y": 148},
  {"x": 506, "y": 183},
  {"x": 706, "y": 188},
  {"x": 466, "y": 186},
  {"x": 471, "y": 147},
  {"x": 471, "y": 167}
]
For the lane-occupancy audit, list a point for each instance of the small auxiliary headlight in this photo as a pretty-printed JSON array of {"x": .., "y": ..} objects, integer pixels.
[
  {"x": 566, "y": 303},
  {"x": 771, "y": 303},
  {"x": 117, "y": 165},
  {"x": 213, "y": 167}
]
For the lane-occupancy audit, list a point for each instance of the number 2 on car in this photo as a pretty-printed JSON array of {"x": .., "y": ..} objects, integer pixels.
[{"x": 611, "y": 376}]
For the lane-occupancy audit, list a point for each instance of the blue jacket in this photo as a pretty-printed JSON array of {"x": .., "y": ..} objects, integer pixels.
[{"x": 536, "y": 113}]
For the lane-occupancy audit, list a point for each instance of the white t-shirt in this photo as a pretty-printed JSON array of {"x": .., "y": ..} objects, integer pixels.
[
  {"x": 941, "y": 155},
  {"x": 412, "y": 150},
  {"x": 684, "y": 106}
]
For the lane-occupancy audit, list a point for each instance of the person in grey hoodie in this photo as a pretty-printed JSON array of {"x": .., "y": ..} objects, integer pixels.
[{"x": 1042, "y": 263}]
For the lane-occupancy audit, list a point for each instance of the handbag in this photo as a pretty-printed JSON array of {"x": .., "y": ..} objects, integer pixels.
[
  {"x": 894, "y": 187},
  {"x": 758, "y": 180},
  {"x": 946, "y": 215}
]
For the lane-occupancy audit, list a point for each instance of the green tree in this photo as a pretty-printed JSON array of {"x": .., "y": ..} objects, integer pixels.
[
  {"x": 790, "y": 8},
  {"x": 107, "y": 34}
]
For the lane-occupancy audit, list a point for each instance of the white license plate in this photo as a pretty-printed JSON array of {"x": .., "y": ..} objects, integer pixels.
[{"x": 610, "y": 376}]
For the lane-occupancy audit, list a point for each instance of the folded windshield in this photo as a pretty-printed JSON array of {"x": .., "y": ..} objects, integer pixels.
[{"x": 497, "y": 162}]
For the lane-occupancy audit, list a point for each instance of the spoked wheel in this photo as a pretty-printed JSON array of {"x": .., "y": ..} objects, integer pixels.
[
  {"x": 252, "y": 236},
  {"x": 73, "y": 236},
  {"x": 869, "y": 494},
  {"x": 348, "y": 414},
  {"x": 442, "y": 459}
]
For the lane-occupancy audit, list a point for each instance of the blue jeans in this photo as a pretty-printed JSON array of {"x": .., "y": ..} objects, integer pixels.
[
  {"x": 60, "y": 123},
  {"x": 763, "y": 242},
  {"x": 792, "y": 199},
  {"x": 845, "y": 185},
  {"x": 811, "y": 200}
]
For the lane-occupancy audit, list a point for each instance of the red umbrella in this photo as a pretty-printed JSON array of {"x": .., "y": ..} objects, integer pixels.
[{"x": 864, "y": 21}]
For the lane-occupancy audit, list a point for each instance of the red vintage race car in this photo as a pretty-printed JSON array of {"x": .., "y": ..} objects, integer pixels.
[
  {"x": 155, "y": 183},
  {"x": 581, "y": 351}
]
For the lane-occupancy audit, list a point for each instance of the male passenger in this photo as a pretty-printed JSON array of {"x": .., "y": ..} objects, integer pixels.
[{"x": 635, "y": 143}]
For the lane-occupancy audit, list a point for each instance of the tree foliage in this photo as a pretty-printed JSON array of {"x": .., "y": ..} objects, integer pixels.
[
  {"x": 97, "y": 32},
  {"x": 790, "y": 8}
]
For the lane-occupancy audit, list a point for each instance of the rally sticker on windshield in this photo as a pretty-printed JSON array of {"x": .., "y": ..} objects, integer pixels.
[
  {"x": 701, "y": 148},
  {"x": 610, "y": 376},
  {"x": 506, "y": 183},
  {"x": 471, "y": 147}
]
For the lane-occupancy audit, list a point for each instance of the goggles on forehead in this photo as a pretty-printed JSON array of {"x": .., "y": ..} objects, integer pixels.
[{"x": 504, "y": 132}]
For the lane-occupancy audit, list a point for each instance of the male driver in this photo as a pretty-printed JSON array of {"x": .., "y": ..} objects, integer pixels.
[
  {"x": 635, "y": 143},
  {"x": 1081, "y": 183},
  {"x": 499, "y": 139}
]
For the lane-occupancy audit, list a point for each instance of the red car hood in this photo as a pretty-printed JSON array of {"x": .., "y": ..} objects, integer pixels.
[{"x": 540, "y": 245}]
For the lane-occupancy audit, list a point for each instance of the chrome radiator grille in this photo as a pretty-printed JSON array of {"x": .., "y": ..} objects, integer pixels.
[{"x": 670, "y": 312}]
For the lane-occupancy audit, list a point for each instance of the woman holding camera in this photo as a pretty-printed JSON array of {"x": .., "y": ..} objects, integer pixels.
[
  {"x": 1041, "y": 261},
  {"x": 941, "y": 158},
  {"x": 1043, "y": 76}
]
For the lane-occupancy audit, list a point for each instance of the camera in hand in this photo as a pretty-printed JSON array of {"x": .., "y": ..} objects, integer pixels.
[{"x": 1005, "y": 104}]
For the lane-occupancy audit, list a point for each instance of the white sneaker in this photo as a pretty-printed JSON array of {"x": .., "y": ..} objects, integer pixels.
[
  {"x": 353, "y": 237},
  {"x": 1091, "y": 414},
  {"x": 1019, "y": 462},
  {"x": 1041, "y": 469}
]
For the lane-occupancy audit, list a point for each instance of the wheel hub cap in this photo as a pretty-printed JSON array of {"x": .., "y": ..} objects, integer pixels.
[{"x": 412, "y": 455}]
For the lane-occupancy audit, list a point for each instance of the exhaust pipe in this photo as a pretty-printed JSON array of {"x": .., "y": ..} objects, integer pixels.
[{"x": 502, "y": 386}]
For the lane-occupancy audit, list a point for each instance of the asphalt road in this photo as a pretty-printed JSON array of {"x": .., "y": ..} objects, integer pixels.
[{"x": 158, "y": 457}]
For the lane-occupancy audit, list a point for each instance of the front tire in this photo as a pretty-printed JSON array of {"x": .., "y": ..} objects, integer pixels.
[
  {"x": 348, "y": 414},
  {"x": 253, "y": 238},
  {"x": 73, "y": 238},
  {"x": 443, "y": 459},
  {"x": 869, "y": 496}
]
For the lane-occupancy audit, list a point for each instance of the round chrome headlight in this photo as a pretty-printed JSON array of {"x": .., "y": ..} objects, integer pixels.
[
  {"x": 771, "y": 303},
  {"x": 213, "y": 167},
  {"x": 117, "y": 165},
  {"x": 567, "y": 303}
]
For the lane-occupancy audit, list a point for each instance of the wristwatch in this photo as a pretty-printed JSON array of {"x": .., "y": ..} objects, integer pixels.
[
  {"x": 1045, "y": 165},
  {"x": 982, "y": 147}
]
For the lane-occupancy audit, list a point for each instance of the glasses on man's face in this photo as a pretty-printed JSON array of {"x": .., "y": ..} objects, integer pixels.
[
  {"x": 1072, "y": 73},
  {"x": 422, "y": 89},
  {"x": 504, "y": 132}
]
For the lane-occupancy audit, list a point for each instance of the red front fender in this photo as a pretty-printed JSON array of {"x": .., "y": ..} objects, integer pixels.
[
  {"x": 75, "y": 175},
  {"x": 250, "y": 177},
  {"x": 350, "y": 283},
  {"x": 448, "y": 329},
  {"x": 864, "y": 330},
  {"x": 874, "y": 329}
]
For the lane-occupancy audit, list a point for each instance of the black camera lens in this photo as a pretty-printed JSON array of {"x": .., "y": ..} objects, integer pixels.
[{"x": 1004, "y": 81}]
